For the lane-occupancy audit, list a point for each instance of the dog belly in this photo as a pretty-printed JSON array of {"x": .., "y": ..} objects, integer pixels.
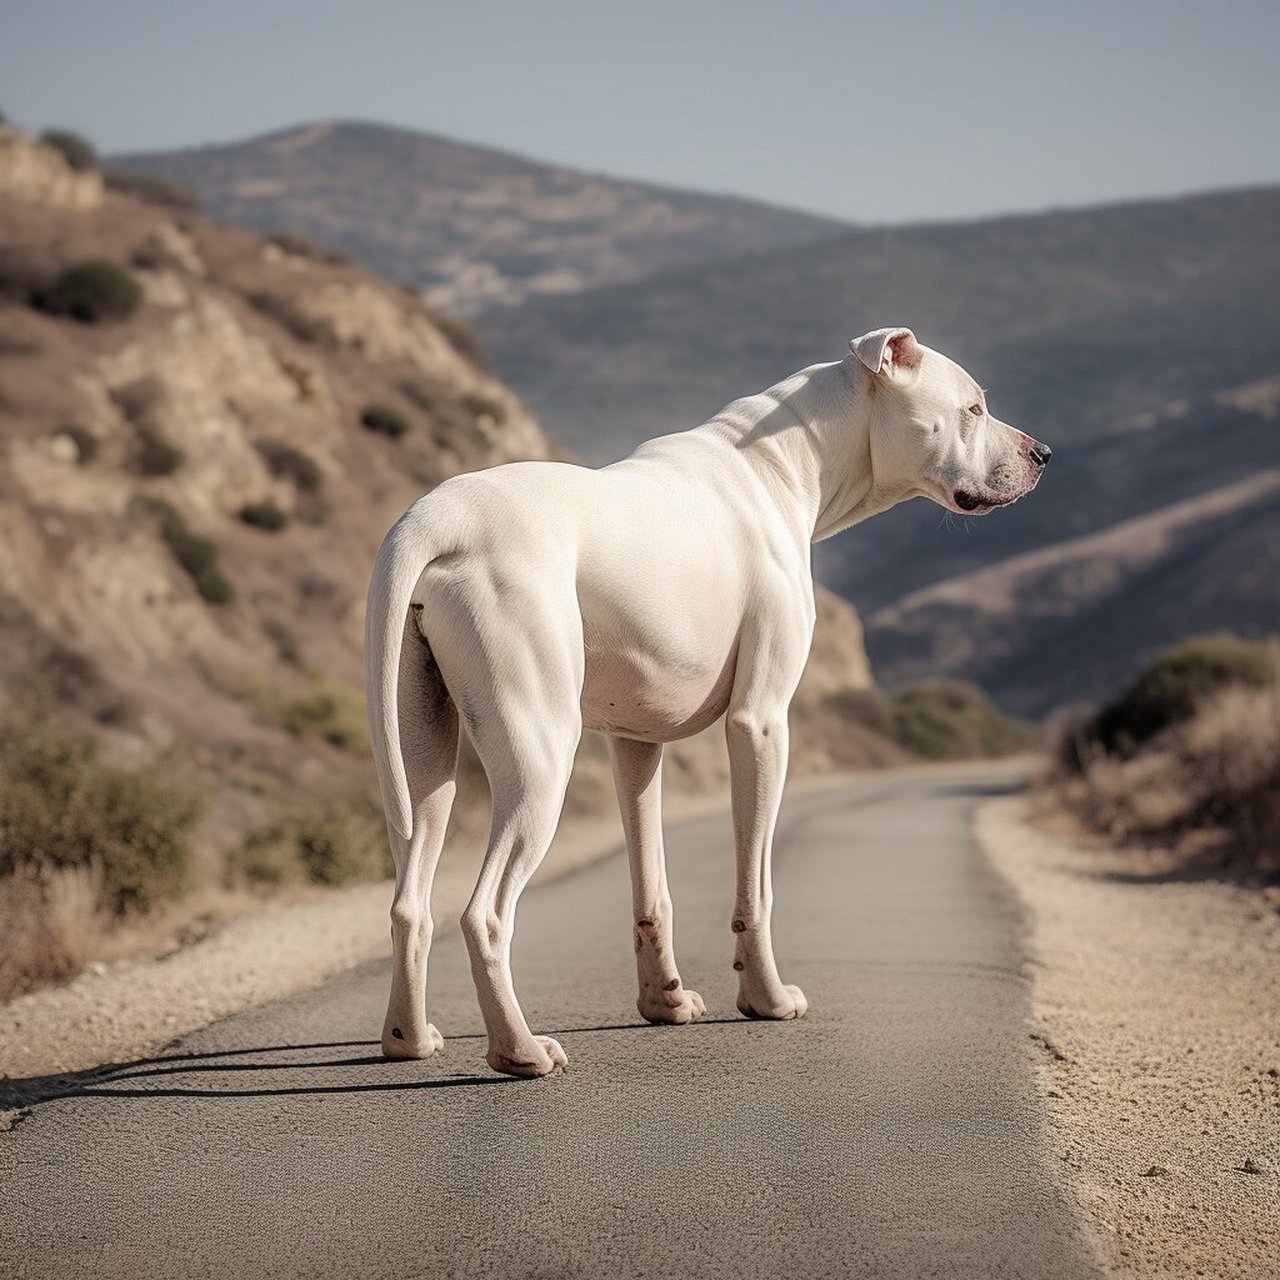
[{"x": 637, "y": 697}]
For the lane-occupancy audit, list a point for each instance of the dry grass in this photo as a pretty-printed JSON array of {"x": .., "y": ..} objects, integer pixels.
[
  {"x": 1206, "y": 787},
  {"x": 50, "y": 925}
]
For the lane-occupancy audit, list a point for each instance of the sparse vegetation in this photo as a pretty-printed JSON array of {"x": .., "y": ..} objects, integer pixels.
[
  {"x": 1188, "y": 757},
  {"x": 152, "y": 189},
  {"x": 81, "y": 844},
  {"x": 337, "y": 845},
  {"x": 383, "y": 420},
  {"x": 286, "y": 462},
  {"x": 156, "y": 455},
  {"x": 287, "y": 314},
  {"x": 1170, "y": 691},
  {"x": 91, "y": 292},
  {"x": 327, "y": 710},
  {"x": 264, "y": 515},
  {"x": 78, "y": 152},
  {"x": 938, "y": 720},
  {"x": 196, "y": 554},
  {"x": 951, "y": 720}
]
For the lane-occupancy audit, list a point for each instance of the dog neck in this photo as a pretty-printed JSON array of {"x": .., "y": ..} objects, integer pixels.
[{"x": 808, "y": 439}]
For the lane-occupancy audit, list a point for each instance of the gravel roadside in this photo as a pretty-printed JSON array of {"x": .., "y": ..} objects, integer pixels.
[{"x": 1157, "y": 1047}]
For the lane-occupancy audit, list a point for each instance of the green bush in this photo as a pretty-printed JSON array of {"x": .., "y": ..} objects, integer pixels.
[
  {"x": 337, "y": 845},
  {"x": 383, "y": 420},
  {"x": 327, "y": 710},
  {"x": 1170, "y": 690},
  {"x": 156, "y": 455},
  {"x": 197, "y": 555},
  {"x": 91, "y": 292},
  {"x": 951, "y": 720},
  {"x": 152, "y": 189},
  {"x": 286, "y": 462},
  {"x": 264, "y": 515},
  {"x": 60, "y": 807},
  {"x": 78, "y": 152}
]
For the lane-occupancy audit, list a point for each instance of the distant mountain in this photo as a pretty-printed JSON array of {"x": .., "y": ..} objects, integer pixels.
[{"x": 477, "y": 228}]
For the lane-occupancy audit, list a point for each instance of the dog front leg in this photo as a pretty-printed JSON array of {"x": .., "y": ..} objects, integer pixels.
[
  {"x": 637, "y": 775},
  {"x": 758, "y": 746}
]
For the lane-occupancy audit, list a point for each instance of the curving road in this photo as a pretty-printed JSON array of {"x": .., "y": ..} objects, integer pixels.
[{"x": 893, "y": 1132}]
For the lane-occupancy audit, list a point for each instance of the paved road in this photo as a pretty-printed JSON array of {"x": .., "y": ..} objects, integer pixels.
[{"x": 893, "y": 1132}]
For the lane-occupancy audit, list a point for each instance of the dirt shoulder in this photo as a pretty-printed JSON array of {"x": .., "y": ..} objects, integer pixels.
[{"x": 1157, "y": 1041}]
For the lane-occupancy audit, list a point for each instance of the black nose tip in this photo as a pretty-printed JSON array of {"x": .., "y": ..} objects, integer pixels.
[{"x": 1040, "y": 453}]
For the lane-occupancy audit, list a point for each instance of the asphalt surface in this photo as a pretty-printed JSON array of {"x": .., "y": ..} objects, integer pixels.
[{"x": 892, "y": 1132}]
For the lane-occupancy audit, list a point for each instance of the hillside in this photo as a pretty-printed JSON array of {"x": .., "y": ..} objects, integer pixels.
[
  {"x": 475, "y": 227},
  {"x": 1112, "y": 333},
  {"x": 191, "y": 494},
  {"x": 1097, "y": 608}
]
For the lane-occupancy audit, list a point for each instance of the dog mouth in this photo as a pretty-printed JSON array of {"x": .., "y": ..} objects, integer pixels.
[{"x": 974, "y": 504}]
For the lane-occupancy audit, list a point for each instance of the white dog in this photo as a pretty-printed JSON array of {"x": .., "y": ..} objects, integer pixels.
[{"x": 642, "y": 600}]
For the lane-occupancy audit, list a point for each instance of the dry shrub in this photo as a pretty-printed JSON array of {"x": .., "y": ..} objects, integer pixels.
[
  {"x": 1208, "y": 783},
  {"x": 81, "y": 845},
  {"x": 91, "y": 292},
  {"x": 935, "y": 719},
  {"x": 50, "y": 924},
  {"x": 326, "y": 709},
  {"x": 341, "y": 844}
]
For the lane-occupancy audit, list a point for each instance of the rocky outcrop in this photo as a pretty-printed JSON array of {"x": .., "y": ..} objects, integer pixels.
[{"x": 41, "y": 175}]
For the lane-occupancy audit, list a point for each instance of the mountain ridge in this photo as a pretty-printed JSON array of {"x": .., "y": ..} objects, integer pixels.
[{"x": 475, "y": 226}]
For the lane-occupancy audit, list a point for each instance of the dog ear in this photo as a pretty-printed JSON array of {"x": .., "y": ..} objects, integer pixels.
[{"x": 891, "y": 352}]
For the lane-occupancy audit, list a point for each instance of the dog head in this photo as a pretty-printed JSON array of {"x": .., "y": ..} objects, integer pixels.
[{"x": 931, "y": 432}]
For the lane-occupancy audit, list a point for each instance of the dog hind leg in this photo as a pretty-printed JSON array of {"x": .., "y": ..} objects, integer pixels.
[
  {"x": 527, "y": 777},
  {"x": 429, "y": 741}
]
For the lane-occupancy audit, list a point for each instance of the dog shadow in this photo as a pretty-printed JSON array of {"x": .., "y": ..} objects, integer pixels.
[{"x": 178, "y": 1075}]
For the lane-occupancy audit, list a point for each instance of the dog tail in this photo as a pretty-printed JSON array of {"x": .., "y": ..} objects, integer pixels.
[{"x": 404, "y": 555}]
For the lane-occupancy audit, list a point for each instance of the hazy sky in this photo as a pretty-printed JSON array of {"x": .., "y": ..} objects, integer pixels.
[{"x": 883, "y": 111}]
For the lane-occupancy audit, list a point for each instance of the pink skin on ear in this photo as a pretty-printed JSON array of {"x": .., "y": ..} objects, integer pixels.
[{"x": 902, "y": 351}]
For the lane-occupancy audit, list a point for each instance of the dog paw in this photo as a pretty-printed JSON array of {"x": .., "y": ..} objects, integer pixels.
[
  {"x": 540, "y": 1058},
  {"x": 398, "y": 1044},
  {"x": 678, "y": 1006},
  {"x": 788, "y": 1003}
]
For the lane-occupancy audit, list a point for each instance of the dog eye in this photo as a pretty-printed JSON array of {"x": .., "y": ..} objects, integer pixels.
[{"x": 976, "y": 409}]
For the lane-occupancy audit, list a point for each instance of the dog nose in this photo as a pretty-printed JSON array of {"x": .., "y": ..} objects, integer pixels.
[{"x": 1040, "y": 453}]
